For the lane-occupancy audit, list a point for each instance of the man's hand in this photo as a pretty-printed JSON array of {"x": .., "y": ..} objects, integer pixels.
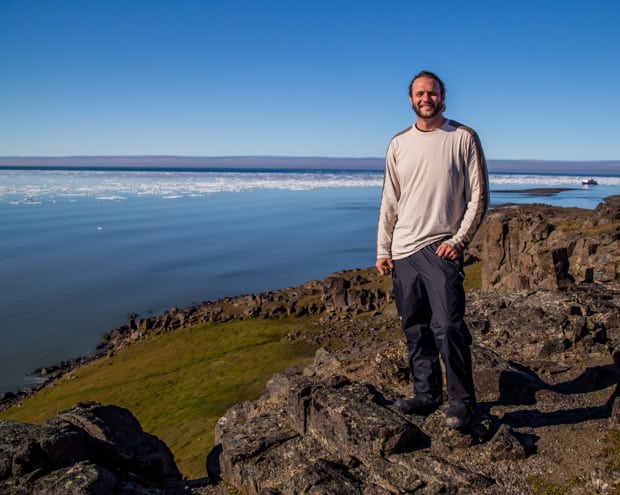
[
  {"x": 385, "y": 265},
  {"x": 447, "y": 251}
]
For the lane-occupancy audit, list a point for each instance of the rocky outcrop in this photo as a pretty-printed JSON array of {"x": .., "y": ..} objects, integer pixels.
[
  {"x": 88, "y": 449},
  {"x": 327, "y": 434},
  {"x": 546, "y": 368},
  {"x": 545, "y": 247}
]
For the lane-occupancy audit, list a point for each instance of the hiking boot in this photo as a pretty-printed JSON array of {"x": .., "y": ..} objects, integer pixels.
[
  {"x": 418, "y": 405},
  {"x": 458, "y": 417}
]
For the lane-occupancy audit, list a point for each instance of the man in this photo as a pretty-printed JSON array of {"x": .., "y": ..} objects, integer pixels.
[{"x": 435, "y": 196}]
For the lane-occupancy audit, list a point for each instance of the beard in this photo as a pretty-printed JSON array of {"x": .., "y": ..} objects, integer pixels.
[{"x": 425, "y": 113}]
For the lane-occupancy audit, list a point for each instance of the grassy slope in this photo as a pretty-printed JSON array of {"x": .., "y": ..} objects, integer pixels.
[{"x": 179, "y": 384}]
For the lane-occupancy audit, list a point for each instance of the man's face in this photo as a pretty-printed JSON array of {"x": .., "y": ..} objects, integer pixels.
[{"x": 426, "y": 99}]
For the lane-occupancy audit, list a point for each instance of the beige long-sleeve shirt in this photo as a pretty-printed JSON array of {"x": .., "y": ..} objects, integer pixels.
[{"x": 435, "y": 188}]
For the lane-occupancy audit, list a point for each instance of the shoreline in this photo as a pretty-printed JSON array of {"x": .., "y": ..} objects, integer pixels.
[
  {"x": 47, "y": 374},
  {"x": 271, "y": 304}
]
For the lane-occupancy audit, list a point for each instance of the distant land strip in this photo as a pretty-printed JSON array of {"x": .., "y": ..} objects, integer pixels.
[{"x": 586, "y": 168}]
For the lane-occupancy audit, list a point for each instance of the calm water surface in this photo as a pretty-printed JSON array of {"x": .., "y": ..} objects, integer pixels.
[{"x": 81, "y": 251}]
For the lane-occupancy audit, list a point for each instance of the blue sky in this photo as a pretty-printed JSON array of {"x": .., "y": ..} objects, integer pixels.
[{"x": 536, "y": 79}]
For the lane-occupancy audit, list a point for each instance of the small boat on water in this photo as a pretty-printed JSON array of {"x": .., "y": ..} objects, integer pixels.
[{"x": 589, "y": 182}]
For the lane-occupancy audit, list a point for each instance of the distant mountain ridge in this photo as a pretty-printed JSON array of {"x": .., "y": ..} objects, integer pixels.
[
  {"x": 288, "y": 162},
  {"x": 190, "y": 162}
]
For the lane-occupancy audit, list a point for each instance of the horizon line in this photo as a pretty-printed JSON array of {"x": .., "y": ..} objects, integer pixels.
[
  {"x": 280, "y": 162},
  {"x": 303, "y": 157}
]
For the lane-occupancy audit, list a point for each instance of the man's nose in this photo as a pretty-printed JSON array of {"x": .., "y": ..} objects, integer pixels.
[{"x": 424, "y": 98}]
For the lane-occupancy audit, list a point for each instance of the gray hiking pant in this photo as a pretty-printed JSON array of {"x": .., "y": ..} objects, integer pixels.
[{"x": 430, "y": 300}]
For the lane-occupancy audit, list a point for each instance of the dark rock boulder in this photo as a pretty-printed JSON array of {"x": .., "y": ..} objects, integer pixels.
[
  {"x": 88, "y": 449},
  {"x": 330, "y": 436}
]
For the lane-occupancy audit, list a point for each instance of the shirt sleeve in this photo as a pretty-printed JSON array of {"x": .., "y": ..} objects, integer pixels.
[
  {"x": 388, "y": 210},
  {"x": 476, "y": 195}
]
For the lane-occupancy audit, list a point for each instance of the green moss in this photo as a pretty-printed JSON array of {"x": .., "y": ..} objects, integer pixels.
[
  {"x": 611, "y": 452},
  {"x": 540, "y": 487},
  {"x": 179, "y": 384},
  {"x": 576, "y": 224},
  {"x": 473, "y": 276}
]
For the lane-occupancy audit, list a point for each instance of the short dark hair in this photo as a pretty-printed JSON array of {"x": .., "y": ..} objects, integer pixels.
[{"x": 430, "y": 75}]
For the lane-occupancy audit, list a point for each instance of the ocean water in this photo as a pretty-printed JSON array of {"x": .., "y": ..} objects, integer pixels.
[{"x": 81, "y": 250}]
